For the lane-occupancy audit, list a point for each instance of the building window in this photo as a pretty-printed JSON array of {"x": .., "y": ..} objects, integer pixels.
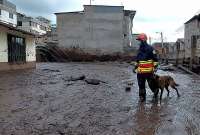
[
  {"x": 19, "y": 23},
  {"x": 10, "y": 15},
  {"x": 42, "y": 27},
  {"x": 16, "y": 49}
]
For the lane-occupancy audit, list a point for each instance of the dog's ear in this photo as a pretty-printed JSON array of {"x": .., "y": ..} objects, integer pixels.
[
  {"x": 156, "y": 76},
  {"x": 170, "y": 78}
]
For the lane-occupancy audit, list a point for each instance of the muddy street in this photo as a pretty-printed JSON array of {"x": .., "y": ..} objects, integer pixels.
[{"x": 48, "y": 101}]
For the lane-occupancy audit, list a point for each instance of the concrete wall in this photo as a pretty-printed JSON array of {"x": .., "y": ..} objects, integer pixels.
[
  {"x": 135, "y": 43},
  {"x": 70, "y": 30},
  {"x": 127, "y": 31},
  {"x": 104, "y": 29},
  {"x": 4, "y": 17},
  {"x": 99, "y": 29}
]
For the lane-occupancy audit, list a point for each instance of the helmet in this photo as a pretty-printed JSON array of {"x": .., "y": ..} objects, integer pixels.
[{"x": 142, "y": 37}]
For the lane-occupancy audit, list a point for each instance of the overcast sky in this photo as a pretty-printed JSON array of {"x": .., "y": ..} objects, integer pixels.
[{"x": 152, "y": 15}]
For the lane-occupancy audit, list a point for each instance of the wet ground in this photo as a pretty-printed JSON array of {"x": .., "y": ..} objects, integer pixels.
[{"x": 45, "y": 102}]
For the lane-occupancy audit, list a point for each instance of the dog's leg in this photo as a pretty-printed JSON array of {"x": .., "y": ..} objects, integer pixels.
[
  {"x": 176, "y": 91},
  {"x": 166, "y": 87},
  {"x": 156, "y": 93},
  {"x": 162, "y": 89}
]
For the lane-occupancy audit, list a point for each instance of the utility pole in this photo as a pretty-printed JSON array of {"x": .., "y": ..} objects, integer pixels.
[
  {"x": 162, "y": 45},
  {"x": 163, "y": 50},
  {"x": 91, "y": 2},
  {"x": 162, "y": 40},
  {"x": 150, "y": 40}
]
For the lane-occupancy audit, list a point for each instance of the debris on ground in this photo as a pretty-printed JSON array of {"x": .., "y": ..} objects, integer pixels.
[
  {"x": 128, "y": 89},
  {"x": 94, "y": 81},
  {"x": 82, "y": 77},
  {"x": 50, "y": 70}
]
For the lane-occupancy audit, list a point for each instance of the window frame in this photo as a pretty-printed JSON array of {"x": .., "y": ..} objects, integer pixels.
[{"x": 11, "y": 15}]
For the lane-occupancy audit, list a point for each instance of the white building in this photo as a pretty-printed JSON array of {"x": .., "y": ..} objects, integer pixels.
[
  {"x": 8, "y": 13},
  {"x": 38, "y": 25},
  {"x": 98, "y": 29},
  {"x": 192, "y": 38},
  {"x": 17, "y": 48}
]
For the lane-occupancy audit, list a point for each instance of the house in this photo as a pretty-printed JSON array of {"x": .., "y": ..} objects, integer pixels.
[
  {"x": 96, "y": 30},
  {"x": 38, "y": 25},
  {"x": 158, "y": 47},
  {"x": 50, "y": 38},
  {"x": 192, "y": 39},
  {"x": 17, "y": 48},
  {"x": 161, "y": 50},
  {"x": 8, "y": 13},
  {"x": 166, "y": 51},
  {"x": 180, "y": 50}
]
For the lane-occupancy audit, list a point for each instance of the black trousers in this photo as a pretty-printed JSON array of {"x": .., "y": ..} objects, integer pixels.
[{"x": 142, "y": 78}]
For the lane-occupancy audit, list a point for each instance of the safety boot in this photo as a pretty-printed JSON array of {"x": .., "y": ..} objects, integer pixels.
[
  {"x": 142, "y": 95},
  {"x": 156, "y": 91}
]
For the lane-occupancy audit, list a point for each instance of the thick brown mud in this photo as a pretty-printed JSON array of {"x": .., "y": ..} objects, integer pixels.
[{"x": 44, "y": 101}]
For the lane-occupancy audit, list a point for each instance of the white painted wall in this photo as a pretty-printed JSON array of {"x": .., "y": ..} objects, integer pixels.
[
  {"x": 4, "y": 17},
  {"x": 30, "y": 49},
  {"x": 3, "y": 47}
]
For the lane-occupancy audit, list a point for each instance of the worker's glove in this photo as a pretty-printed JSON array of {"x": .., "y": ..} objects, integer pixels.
[
  {"x": 132, "y": 63},
  {"x": 155, "y": 68},
  {"x": 135, "y": 69}
]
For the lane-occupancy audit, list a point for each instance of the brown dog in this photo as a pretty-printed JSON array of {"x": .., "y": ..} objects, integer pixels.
[{"x": 163, "y": 82}]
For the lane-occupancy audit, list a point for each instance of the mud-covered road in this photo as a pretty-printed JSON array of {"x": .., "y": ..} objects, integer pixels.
[{"x": 44, "y": 102}]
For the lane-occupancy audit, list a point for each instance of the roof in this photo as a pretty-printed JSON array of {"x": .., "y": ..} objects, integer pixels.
[
  {"x": 196, "y": 17},
  {"x": 127, "y": 12},
  {"x": 130, "y": 13},
  {"x": 16, "y": 29},
  {"x": 180, "y": 40},
  {"x": 103, "y": 6},
  {"x": 76, "y": 12}
]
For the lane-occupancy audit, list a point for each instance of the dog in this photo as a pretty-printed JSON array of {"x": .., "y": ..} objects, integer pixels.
[{"x": 163, "y": 82}]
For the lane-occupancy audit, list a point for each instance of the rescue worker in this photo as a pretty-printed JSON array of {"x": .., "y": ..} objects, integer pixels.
[{"x": 146, "y": 62}]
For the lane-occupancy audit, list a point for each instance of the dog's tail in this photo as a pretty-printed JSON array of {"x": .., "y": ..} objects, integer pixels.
[
  {"x": 176, "y": 84},
  {"x": 173, "y": 83}
]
